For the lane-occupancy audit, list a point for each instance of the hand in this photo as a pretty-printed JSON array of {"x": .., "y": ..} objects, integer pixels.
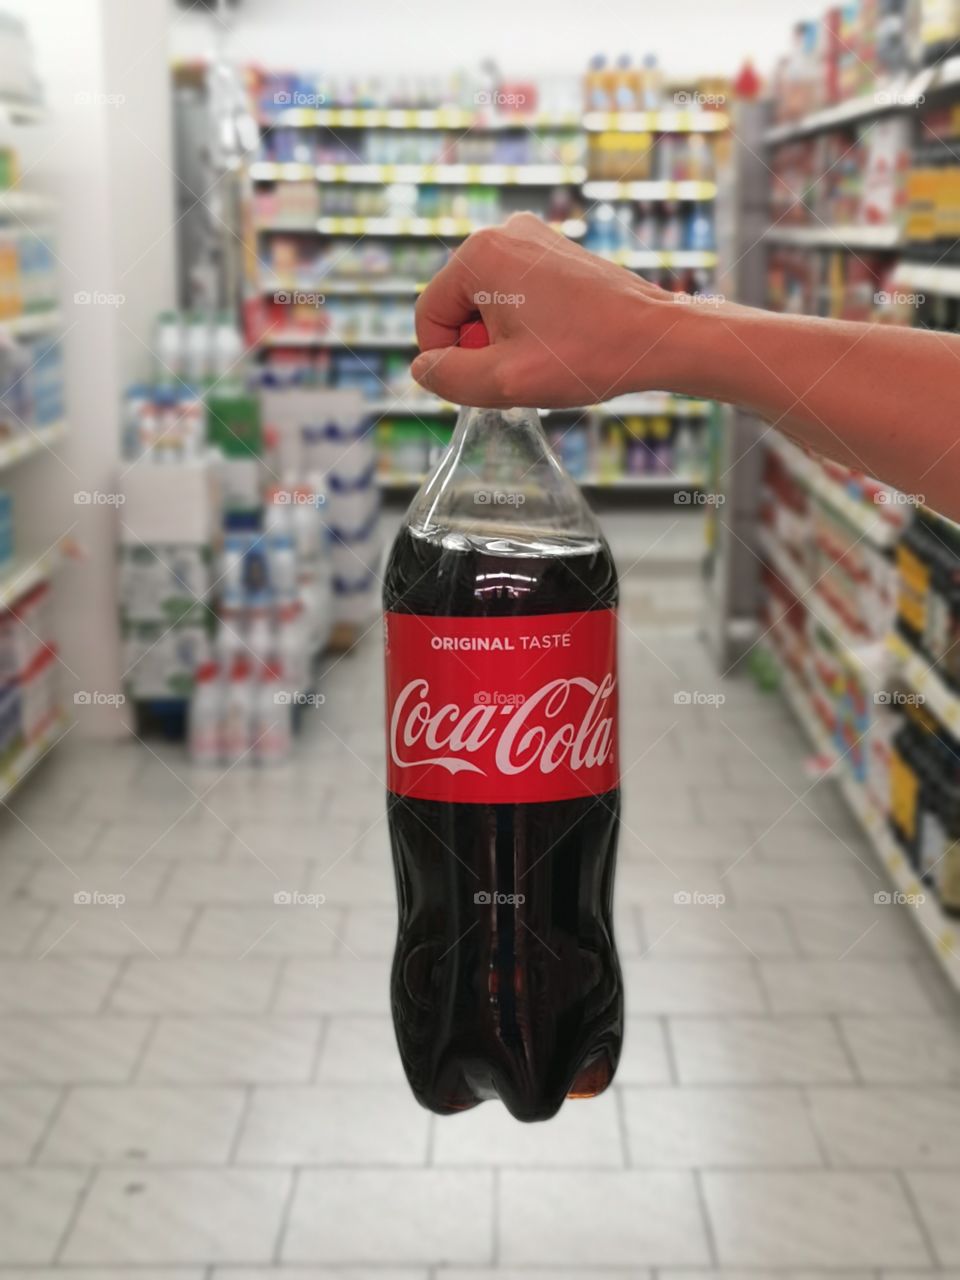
[{"x": 566, "y": 328}]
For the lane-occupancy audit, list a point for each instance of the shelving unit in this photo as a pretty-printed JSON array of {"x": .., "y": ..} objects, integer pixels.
[
  {"x": 941, "y": 934},
  {"x": 457, "y": 175},
  {"x": 29, "y": 443},
  {"x": 14, "y": 772},
  {"x": 864, "y": 667},
  {"x": 24, "y": 573},
  {"x": 823, "y": 237},
  {"x": 26, "y": 215},
  {"x": 277, "y": 214},
  {"x": 31, "y": 323}
]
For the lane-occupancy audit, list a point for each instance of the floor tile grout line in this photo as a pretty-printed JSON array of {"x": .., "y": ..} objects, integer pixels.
[
  {"x": 319, "y": 1045},
  {"x": 239, "y": 1132},
  {"x": 496, "y": 1190},
  {"x": 836, "y": 1021},
  {"x": 74, "y": 1216},
  {"x": 708, "y": 1227},
  {"x": 113, "y": 987},
  {"x": 286, "y": 1212},
  {"x": 669, "y": 1048},
  {"x": 622, "y": 1128},
  {"x": 55, "y": 1113},
  {"x": 925, "y": 1233}
]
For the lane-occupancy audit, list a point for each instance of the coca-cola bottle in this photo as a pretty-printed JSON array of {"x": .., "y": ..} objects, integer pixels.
[{"x": 503, "y": 801}]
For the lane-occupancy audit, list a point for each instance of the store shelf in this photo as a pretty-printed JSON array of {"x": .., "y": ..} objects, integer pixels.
[
  {"x": 655, "y": 121},
  {"x": 856, "y": 649},
  {"x": 30, "y": 324},
  {"x": 25, "y": 573},
  {"x": 310, "y": 338},
  {"x": 942, "y": 936},
  {"x": 410, "y": 118},
  {"x": 899, "y": 95},
  {"x": 387, "y": 287},
  {"x": 926, "y": 278},
  {"x": 30, "y": 442},
  {"x": 821, "y": 237},
  {"x": 864, "y": 517},
  {"x": 16, "y": 112},
  {"x": 25, "y": 204},
  {"x": 442, "y": 228},
  {"x": 650, "y": 484},
  {"x": 638, "y": 259},
  {"x": 650, "y": 190},
  {"x": 427, "y": 406},
  {"x": 923, "y": 678},
  {"x": 455, "y": 175},
  {"x": 17, "y": 769},
  {"x": 654, "y": 404}
]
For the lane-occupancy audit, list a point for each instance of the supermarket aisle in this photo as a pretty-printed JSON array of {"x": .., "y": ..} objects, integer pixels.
[{"x": 201, "y": 1076}]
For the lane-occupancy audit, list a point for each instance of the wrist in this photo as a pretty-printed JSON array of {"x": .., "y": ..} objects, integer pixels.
[{"x": 684, "y": 345}]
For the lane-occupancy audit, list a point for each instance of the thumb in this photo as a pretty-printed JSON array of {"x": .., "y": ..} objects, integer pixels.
[{"x": 472, "y": 377}]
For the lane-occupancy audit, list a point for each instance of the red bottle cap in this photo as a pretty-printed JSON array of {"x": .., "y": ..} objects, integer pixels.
[{"x": 473, "y": 335}]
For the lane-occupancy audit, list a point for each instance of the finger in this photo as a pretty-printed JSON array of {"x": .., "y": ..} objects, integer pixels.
[
  {"x": 445, "y": 304},
  {"x": 462, "y": 377}
]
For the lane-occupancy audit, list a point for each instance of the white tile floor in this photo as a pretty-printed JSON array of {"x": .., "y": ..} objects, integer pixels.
[{"x": 199, "y": 1082}]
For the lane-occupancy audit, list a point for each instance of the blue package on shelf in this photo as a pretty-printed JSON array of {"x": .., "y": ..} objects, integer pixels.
[{"x": 6, "y": 527}]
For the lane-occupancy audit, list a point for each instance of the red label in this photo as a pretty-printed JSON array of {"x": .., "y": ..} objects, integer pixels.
[{"x": 502, "y": 710}]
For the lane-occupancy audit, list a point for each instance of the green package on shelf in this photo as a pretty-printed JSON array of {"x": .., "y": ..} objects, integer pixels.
[{"x": 233, "y": 425}]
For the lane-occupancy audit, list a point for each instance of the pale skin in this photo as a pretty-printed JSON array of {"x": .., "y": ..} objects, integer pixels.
[{"x": 568, "y": 329}]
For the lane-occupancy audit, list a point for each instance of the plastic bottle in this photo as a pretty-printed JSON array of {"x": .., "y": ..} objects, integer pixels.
[
  {"x": 239, "y": 714},
  {"x": 274, "y": 717},
  {"x": 206, "y": 716},
  {"x": 503, "y": 793}
]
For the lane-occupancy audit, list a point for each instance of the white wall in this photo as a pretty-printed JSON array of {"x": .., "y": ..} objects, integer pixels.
[
  {"x": 692, "y": 37},
  {"x": 104, "y": 157}
]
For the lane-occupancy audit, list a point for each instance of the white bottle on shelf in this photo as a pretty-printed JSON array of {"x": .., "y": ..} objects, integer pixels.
[
  {"x": 239, "y": 717},
  {"x": 273, "y": 730},
  {"x": 206, "y": 716}
]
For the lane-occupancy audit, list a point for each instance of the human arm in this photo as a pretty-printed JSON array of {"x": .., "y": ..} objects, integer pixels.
[{"x": 568, "y": 328}]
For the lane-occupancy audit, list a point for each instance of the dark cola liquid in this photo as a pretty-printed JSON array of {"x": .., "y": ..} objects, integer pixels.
[{"x": 521, "y": 1001}]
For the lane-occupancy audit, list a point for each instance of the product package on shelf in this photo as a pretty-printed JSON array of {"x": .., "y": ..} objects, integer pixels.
[
  {"x": 167, "y": 536},
  {"x": 29, "y": 693},
  {"x": 326, "y": 437}
]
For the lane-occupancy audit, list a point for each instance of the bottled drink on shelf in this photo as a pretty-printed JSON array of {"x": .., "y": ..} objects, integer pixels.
[{"x": 503, "y": 793}]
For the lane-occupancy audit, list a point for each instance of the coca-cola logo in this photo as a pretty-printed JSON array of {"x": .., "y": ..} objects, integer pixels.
[
  {"x": 498, "y": 711},
  {"x": 564, "y": 722}
]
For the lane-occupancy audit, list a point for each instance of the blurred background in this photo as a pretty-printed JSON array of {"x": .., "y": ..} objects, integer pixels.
[{"x": 215, "y": 219}]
